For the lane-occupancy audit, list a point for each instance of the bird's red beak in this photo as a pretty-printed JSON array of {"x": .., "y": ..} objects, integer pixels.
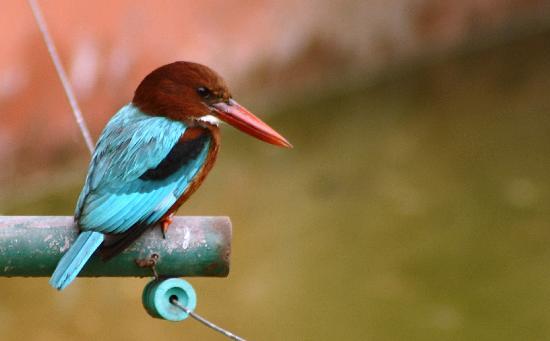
[{"x": 242, "y": 119}]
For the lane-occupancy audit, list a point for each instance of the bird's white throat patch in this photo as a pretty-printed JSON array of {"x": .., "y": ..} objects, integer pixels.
[{"x": 210, "y": 119}]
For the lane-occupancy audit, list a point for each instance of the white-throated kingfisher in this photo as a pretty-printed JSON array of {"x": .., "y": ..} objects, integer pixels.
[{"x": 151, "y": 156}]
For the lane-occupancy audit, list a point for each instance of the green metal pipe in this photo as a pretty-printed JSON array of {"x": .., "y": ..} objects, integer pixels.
[{"x": 194, "y": 246}]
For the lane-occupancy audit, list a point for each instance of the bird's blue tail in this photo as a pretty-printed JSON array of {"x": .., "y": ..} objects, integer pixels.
[{"x": 73, "y": 261}]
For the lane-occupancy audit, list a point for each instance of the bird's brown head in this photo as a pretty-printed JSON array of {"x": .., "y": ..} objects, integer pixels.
[{"x": 192, "y": 92}]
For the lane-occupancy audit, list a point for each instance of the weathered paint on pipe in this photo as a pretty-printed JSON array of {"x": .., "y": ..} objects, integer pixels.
[{"x": 31, "y": 246}]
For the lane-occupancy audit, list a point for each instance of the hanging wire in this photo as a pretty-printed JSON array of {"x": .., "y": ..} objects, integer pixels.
[
  {"x": 61, "y": 73},
  {"x": 204, "y": 321}
]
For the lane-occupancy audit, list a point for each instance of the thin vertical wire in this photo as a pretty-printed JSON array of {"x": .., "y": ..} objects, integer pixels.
[
  {"x": 61, "y": 73},
  {"x": 206, "y": 322}
]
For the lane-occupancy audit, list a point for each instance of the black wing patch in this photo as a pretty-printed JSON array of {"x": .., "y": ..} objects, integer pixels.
[{"x": 181, "y": 153}]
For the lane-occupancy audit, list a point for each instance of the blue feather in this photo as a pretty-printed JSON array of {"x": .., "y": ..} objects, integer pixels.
[
  {"x": 115, "y": 197},
  {"x": 73, "y": 261}
]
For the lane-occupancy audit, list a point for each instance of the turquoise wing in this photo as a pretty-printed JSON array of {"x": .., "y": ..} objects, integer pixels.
[{"x": 122, "y": 188}]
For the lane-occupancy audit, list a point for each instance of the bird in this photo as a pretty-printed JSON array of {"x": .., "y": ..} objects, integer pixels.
[{"x": 151, "y": 157}]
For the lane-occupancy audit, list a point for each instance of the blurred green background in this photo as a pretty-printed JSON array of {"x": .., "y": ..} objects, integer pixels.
[{"x": 414, "y": 206}]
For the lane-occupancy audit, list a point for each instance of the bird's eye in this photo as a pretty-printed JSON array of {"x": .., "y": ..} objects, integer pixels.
[{"x": 204, "y": 92}]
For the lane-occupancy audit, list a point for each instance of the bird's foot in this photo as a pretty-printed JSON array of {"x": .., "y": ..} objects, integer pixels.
[
  {"x": 165, "y": 224},
  {"x": 151, "y": 263}
]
